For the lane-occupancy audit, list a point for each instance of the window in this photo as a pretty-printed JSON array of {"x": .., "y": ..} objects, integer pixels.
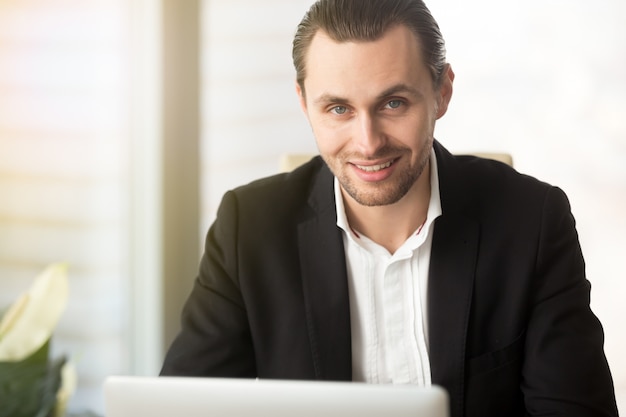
[{"x": 72, "y": 179}]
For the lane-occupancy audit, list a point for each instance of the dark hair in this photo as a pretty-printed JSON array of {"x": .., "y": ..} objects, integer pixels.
[{"x": 368, "y": 20}]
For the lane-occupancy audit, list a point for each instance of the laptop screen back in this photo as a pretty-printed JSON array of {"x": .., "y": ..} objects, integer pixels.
[{"x": 221, "y": 397}]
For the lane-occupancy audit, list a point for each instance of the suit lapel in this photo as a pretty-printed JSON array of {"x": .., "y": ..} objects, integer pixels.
[
  {"x": 325, "y": 284},
  {"x": 450, "y": 283},
  {"x": 451, "y": 278}
]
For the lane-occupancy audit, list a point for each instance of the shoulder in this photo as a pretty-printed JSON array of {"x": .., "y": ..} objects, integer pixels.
[
  {"x": 284, "y": 193},
  {"x": 469, "y": 183},
  {"x": 491, "y": 175}
]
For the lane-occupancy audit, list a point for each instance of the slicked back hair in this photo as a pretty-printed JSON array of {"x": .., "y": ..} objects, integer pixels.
[{"x": 369, "y": 20}]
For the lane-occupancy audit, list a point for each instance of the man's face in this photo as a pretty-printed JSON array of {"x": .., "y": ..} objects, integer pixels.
[{"x": 372, "y": 107}]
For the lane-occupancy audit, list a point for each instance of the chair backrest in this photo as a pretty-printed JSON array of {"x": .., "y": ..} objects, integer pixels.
[
  {"x": 289, "y": 162},
  {"x": 502, "y": 157}
]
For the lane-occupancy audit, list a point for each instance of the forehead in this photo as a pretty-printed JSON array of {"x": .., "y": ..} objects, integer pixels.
[{"x": 361, "y": 66}]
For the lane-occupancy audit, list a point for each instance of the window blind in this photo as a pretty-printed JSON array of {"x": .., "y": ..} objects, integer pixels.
[{"x": 64, "y": 134}]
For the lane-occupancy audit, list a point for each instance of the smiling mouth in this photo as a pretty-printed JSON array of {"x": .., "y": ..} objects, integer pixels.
[{"x": 375, "y": 168}]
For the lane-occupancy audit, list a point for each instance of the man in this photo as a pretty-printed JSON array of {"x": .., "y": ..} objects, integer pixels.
[{"x": 390, "y": 260}]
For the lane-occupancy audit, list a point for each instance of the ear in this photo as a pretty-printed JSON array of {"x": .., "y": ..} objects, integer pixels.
[
  {"x": 301, "y": 98},
  {"x": 445, "y": 91}
]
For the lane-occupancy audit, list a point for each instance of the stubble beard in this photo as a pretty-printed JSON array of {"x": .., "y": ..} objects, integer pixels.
[{"x": 386, "y": 192}]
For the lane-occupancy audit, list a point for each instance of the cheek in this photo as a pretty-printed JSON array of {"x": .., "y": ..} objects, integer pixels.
[
  {"x": 330, "y": 139},
  {"x": 327, "y": 145},
  {"x": 409, "y": 131}
]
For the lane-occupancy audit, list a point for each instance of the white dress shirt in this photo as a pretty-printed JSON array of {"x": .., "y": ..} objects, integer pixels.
[{"x": 388, "y": 302}]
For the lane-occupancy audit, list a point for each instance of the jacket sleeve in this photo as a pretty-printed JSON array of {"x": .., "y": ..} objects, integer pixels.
[
  {"x": 215, "y": 339},
  {"x": 565, "y": 372}
]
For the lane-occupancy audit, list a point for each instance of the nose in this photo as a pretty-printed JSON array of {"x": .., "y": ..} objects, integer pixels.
[{"x": 367, "y": 137}]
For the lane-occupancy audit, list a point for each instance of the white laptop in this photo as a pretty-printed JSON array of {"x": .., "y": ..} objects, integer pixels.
[{"x": 127, "y": 396}]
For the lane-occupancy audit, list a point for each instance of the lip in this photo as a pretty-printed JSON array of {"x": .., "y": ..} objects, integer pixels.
[{"x": 374, "y": 171}]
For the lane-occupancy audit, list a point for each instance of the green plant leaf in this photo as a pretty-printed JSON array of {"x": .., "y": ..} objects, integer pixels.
[{"x": 28, "y": 387}]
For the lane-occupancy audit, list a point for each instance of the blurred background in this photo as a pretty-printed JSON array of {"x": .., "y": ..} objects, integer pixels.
[{"x": 122, "y": 123}]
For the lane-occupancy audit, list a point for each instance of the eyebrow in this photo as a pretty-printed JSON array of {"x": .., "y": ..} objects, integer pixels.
[
  {"x": 329, "y": 98},
  {"x": 400, "y": 88},
  {"x": 393, "y": 90}
]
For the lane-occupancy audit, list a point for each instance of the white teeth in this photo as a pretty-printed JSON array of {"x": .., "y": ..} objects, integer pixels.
[{"x": 374, "y": 168}]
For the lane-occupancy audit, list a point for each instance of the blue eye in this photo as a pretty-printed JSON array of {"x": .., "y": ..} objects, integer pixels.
[
  {"x": 394, "y": 104},
  {"x": 339, "y": 110}
]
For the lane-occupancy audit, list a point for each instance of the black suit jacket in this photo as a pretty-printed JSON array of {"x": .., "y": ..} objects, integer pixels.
[{"x": 510, "y": 328}]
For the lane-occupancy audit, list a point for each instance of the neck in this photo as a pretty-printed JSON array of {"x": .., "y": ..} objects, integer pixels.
[{"x": 391, "y": 225}]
